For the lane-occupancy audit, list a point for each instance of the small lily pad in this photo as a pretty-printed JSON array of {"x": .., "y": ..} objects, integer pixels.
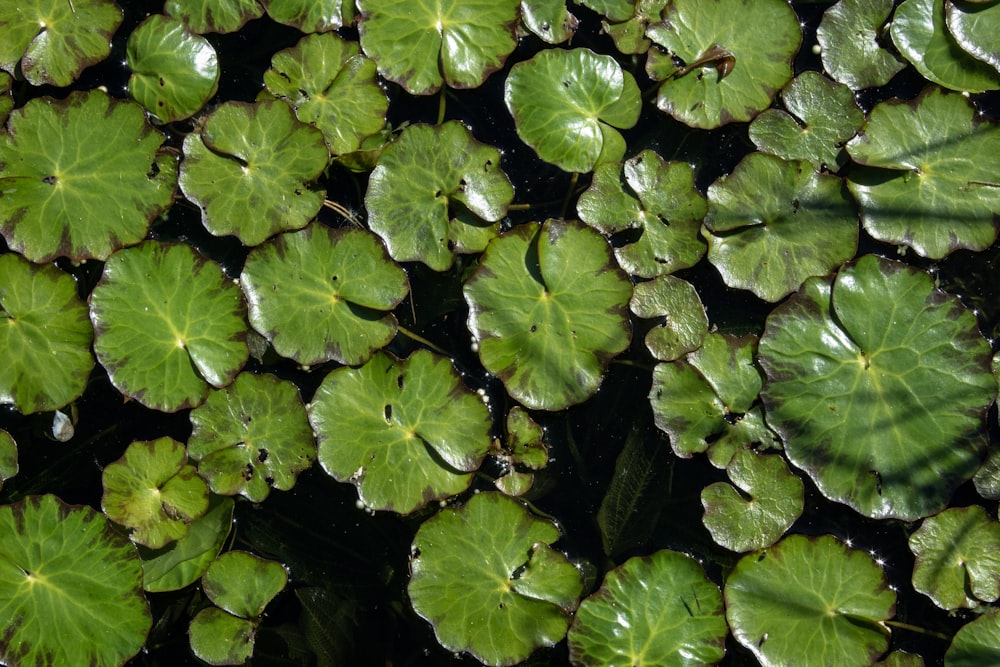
[
  {"x": 243, "y": 584},
  {"x": 975, "y": 29},
  {"x": 219, "y": 638},
  {"x": 976, "y": 643},
  {"x": 486, "y": 578},
  {"x": 524, "y": 451},
  {"x": 684, "y": 324},
  {"x": 549, "y": 19},
  {"x": 851, "y": 35},
  {"x": 629, "y": 35},
  {"x": 221, "y": 16}
]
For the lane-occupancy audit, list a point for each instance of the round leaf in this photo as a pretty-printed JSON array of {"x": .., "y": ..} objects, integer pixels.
[
  {"x": 221, "y": 16},
  {"x": 878, "y": 384},
  {"x": 976, "y": 643},
  {"x": 729, "y": 58},
  {"x": 322, "y": 294},
  {"x": 80, "y": 177},
  {"x": 250, "y": 168},
  {"x": 242, "y": 583},
  {"x": 168, "y": 324},
  {"x": 549, "y": 20},
  {"x": 685, "y": 323},
  {"x": 484, "y": 576},
  {"x": 975, "y": 29},
  {"x": 174, "y": 72},
  {"x": 307, "y": 15},
  {"x": 437, "y": 191},
  {"x": 810, "y": 601},
  {"x": 547, "y": 308},
  {"x": 566, "y": 104},
  {"x": 220, "y": 638},
  {"x": 71, "y": 585},
  {"x": 45, "y": 335},
  {"x": 657, "y": 611},
  {"x": 405, "y": 432},
  {"x": 851, "y": 35}
]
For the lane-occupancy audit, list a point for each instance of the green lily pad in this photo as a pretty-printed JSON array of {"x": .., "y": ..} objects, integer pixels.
[
  {"x": 976, "y": 643},
  {"x": 486, "y": 578},
  {"x": 850, "y": 35},
  {"x": 55, "y": 41},
  {"x": 920, "y": 32},
  {"x": 332, "y": 87},
  {"x": 769, "y": 500},
  {"x": 615, "y": 10},
  {"x": 322, "y": 294},
  {"x": 404, "y": 432},
  {"x": 219, "y": 638},
  {"x": 772, "y": 223},
  {"x": 435, "y": 192},
  {"x": 729, "y": 57},
  {"x": 630, "y": 35},
  {"x": 934, "y": 165},
  {"x": 878, "y": 384},
  {"x": 665, "y": 205},
  {"x": 422, "y": 44},
  {"x": 174, "y": 72},
  {"x": 243, "y": 584},
  {"x": 45, "y": 335},
  {"x": 684, "y": 324},
  {"x": 820, "y": 116},
  {"x": 524, "y": 451},
  {"x": 566, "y": 105},
  {"x": 901, "y": 659},
  {"x": 250, "y": 170},
  {"x": 251, "y": 436},
  {"x": 657, "y": 610},
  {"x": 71, "y": 585},
  {"x": 957, "y": 558},
  {"x": 810, "y": 601},
  {"x": 547, "y": 309},
  {"x": 80, "y": 177},
  {"x": 975, "y": 29},
  {"x": 221, "y": 16},
  {"x": 8, "y": 456},
  {"x": 6, "y": 98},
  {"x": 153, "y": 491},
  {"x": 549, "y": 19},
  {"x": 309, "y": 15},
  {"x": 168, "y": 324}
]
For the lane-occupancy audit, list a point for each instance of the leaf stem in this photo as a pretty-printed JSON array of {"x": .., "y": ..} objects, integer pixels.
[
  {"x": 420, "y": 339},
  {"x": 342, "y": 211},
  {"x": 917, "y": 628},
  {"x": 441, "y": 105},
  {"x": 569, "y": 195}
]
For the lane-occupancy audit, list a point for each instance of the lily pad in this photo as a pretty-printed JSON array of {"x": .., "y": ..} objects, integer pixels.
[
  {"x": 772, "y": 223},
  {"x": 242, "y": 583},
  {"x": 851, "y": 35},
  {"x": 153, "y": 491},
  {"x": 404, "y": 432},
  {"x": 422, "y": 44},
  {"x": 219, "y": 638},
  {"x": 878, "y": 383},
  {"x": 976, "y": 643},
  {"x": 220, "y": 16},
  {"x": 322, "y": 294},
  {"x": 80, "y": 177},
  {"x": 55, "y": 41},
  {"x": 486, "y": 578},
  {"x": 933, "y": 183},
  {"x": 729, "y": 57},
  {"x": 630, "y": 35},
  {"x": 975, "y": 29},
  {"x": 549, "y": 19},
  {"x": 547, "y": 308},
  {"x": 6, "y": 98},
  {"x": 523, "y": 452},
  {"x": 652, "y": 611},
  {"x": 45, "y": 335},
  {"x": 168, "y": 325},
  {"x": 566, "y": 105},
  {"x": 8, "y": 456},
  {"x": 958, "y": 558},
  {"x": 684, "y": 324},
  {"x": 332, "y": 87},
  {"x": 435, "y": 192},
  {"x": 309, "y": 15},
  {"x": 64, "y": 567},
  {"x": 252, "y": 436},
  {"x": 174, "y": 72},
  {"x": 810, "y": 600}
]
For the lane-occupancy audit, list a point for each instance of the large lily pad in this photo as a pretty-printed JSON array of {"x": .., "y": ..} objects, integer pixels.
[
  {"x": 729, "y": 58},
  {"x": 810, "y": 601},
  {"x": 55, "y": 41},
  {"x": 71, "y": 586},
  {"x": 547, "y": 308},
  {"x": 976, "y": 643},
  {"x": 168, "y": 325},
  {"x": 80, "y": 177},
  {"x": 45, "y": 335},
  {"x": 422, "y": 44},
  {"x": 435, "y": 192},
  {"x": 486, "y": 578},
  {"x": 221, "y": 16},
  {"x": 934, "y": 187},
  {"x": 404, "y": 432},
  {"x": 975, "y": 29},
  {"x": 851, "y": 35},
  {"x": 878, "y": 384}
]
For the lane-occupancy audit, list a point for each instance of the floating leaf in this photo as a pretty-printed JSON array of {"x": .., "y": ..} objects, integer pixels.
[
  {"x": 615, "y": 10},
  {"x": 308, "y": 15},
  {"x": 251, "y": 436},
  {"x": 6, "y": 98},
  {"x": 934, "y": 187},
  {"x": 684, "y": 322},
  {"x": 243, "y": 584},
  {"x": 810, "y": 600},
  {"x": 404, "y": 432},
  {"x": 220, "y": 638},
  {"x": 8, "y": 456},
  {"x": 975, "y": 29},
  {"x": 566, "y": 105},
  {"x": 45, "y": 335},
  {"x": 549, "y": 20},
  {"x": 657, "y": 610},
  {"x": 878, "y": 384},
  {"x": 901, "y": 659},
  {"x": 484, "y": 576},
  {"x": 80, "y": 177},
  {"x": 547, "y": 310},
  {"x": 221, "y": 16},
  {"x": 71, "y": 585},
  {"x": 322, "y": 294},
  {"x": 630, "y": 35},
  {"x": 525, "y": 450},
  {"x": 976, "y": 643},
  {"x": 851, "y": 35},
  {"x": 435, "y": 192},
  {"x": 168, "y": 324}
]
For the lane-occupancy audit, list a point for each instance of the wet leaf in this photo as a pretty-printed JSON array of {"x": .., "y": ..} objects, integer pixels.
[
  {"x": 976, "y": 643},
  {"x": 684, "y": 322},
  {"x": 309, "y": 15},
  {"x": 242, "y": 583},
  {"x": 220, "y": 638},
  {"x": 975, "y": 29},
  {"x": 549, "y": 19},
  {"x": 221, "y": 16},
  {"x": 851, "y": 35}
]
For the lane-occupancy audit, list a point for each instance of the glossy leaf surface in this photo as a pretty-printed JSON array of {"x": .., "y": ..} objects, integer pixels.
[
  {"x": 975, "y": 29},
  {"x": 684, "y": 322},
  {"x": 976, "y": 643},
  {"x": 221, "y": 16},
  {"x": 851, "y": 36},
  {"x": 308, "y": 15},
  {"x": 243, "y": 584}
]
